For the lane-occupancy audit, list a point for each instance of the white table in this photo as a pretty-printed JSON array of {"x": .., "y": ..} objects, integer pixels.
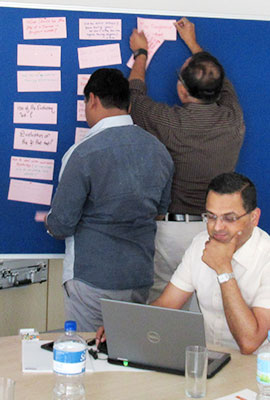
[{"x": 239, "y": 374}]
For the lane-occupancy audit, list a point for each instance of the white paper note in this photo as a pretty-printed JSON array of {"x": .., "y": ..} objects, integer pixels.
[
  {"x": 35, "y": 139},
  {"x": 81, "y": 110},
  {"x": 31, "y": 168},
  {"x": 81, "y": 82},
  {"x": 98, "y": 56},
  {"x": 30, "y": 192},
  {"x": 35, "y": 113},
  {"x": 39, "y": 81},
  {"x": 44, "y": 28},
  {"x": 38, "y": 55},
  {"x": 100, "y": 29}
]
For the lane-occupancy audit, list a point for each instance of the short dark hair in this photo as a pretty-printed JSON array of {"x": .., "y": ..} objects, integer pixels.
[
  {"x": 203, "y": 77},
  {"x": 232, "y": 182},
  {"x": 112, "y": 88}
]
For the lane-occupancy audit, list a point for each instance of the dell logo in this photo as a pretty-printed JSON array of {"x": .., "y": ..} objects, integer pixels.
[{"x": 153, "y": 337}]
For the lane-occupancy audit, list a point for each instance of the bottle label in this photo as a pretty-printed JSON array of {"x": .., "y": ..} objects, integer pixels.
[
  {"x": 69, "y": 362},
  {"x": 263, "y": 370}
]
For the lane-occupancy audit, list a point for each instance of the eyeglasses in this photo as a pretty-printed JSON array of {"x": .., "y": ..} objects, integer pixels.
[
  {"x": 180, "y": 79},
  {"x": 227, "y": 218}
]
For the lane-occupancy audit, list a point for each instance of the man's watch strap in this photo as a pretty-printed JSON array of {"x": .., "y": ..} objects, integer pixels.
[
  {"x": 225, "y": 277},
  {"x": 140, "y": 51}
]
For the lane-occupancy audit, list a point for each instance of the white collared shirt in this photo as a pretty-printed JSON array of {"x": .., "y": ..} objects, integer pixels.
[{"x": 251, "y": 266}]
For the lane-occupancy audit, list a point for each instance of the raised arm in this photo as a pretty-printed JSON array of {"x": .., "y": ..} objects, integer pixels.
[
  {"x": 138, "y": 41},
  {"x": 186, "y": 30}
]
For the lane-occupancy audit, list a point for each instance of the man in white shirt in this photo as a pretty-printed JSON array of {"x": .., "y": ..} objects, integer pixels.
[{"x": 229, "y": 268}]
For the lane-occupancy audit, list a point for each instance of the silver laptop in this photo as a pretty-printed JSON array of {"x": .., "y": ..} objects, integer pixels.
[{"x": 154, "y": 338}]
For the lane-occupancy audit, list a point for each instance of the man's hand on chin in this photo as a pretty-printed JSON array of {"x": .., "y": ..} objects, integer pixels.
[{"x": 218, "y": 255}]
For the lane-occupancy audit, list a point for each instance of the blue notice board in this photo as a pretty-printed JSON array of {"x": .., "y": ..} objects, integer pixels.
[{"x": 242, "y": 46}]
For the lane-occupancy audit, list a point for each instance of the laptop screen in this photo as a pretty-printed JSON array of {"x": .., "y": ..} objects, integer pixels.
[{"x": 151, "y": 337}]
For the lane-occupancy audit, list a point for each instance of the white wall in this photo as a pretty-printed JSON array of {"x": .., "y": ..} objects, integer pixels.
[{"x": 242, "y": 9}]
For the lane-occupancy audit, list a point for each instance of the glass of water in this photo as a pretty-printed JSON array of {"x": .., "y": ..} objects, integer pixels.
[
  {"x": 7, "y": 386},
  {"x": 196, "y": 371}
]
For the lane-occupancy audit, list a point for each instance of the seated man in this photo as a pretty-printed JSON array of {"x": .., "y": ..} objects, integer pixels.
[{"x": 229, "y": 268}]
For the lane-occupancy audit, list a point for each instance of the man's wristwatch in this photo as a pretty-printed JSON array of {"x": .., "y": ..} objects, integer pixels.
[
  {"x": 225, "y": 277},
  {"x": 140, "y": 51}
]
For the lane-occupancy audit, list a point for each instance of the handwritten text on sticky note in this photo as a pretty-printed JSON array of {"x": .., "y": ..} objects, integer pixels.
[
  {"x": 81, "y": 110},
  {"x": 31, "y": 168},
  {"x": 100, "y": 29},
  {"x": 81, "y": 82},
  {"x": 44, "y": 28},
  {"x": 159, "y": 28},
  {"x": 35, "y": 113},
  {"x": 35, "y": 139},
  {"x": 153, "y": 46},
  {"x": 39, "y": 81}
]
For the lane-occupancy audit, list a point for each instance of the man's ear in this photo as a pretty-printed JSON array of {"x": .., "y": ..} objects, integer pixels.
[
  {"x": 182, "y": 92},
  {"x": 255, "y": 216},
  {"x": 92, "y": 99}
]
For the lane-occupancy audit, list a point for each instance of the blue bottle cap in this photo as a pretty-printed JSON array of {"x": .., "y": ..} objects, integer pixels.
[{"x": 70, "y": 326}]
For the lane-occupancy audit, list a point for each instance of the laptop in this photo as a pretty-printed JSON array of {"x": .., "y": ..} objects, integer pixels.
[{"x": 154, "y": 338}]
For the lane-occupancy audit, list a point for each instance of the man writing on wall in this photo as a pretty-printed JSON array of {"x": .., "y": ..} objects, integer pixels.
[
  {"x": 203, "y": 136},
  {"x": 112, "y": 187},
  {"x": 229, "y": 268}
]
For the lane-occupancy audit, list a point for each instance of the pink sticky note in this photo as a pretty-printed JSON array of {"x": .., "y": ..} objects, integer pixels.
[
  {"x": 80, "y": 134},
  {"x": 97, "y": 56},
  {"x": 81, "y": 82},
  {"x": 39, "y": 55},
  {"x": 34, "y": 139},
  {"x": 100, "y": 29},
  {"x": 35, "y": 113},
  {"x": 163, "y": 29},
  {"x": 40, "y": 216},
  {"x": 31, "y": 168},
  {"x": 30, "y": 192},
  {"x": 39, "y": 81},
  {"x": 81, "y": 110},
  {"x": 44, "y": 28},
  {"x": 153, "y": 46}
]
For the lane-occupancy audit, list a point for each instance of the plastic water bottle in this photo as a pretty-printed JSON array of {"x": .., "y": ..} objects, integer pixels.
[
  {"x": 263, "y": 371},
  {"x": 69, "y": 359}
]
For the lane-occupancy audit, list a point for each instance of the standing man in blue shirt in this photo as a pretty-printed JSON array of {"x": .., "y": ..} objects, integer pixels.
[{"x": 113, "y": 186}]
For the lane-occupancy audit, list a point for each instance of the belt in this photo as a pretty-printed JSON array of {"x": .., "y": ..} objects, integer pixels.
[{"x": 184, "y": 217}]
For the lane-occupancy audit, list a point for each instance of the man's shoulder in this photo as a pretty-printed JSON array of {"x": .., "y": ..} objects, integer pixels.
[
  {"x": 261, "y": 238},
  {"x": 118, "y": 136},
  {"x": 257, "y": 247}
]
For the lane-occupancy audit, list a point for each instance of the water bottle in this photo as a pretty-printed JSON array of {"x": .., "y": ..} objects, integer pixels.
[
  {"x": 263, "y": 371},
  {"x": 69, "y": 359}
]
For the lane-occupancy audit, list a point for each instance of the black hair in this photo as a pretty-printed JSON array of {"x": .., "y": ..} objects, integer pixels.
[
  {"x": 112, "y": 88},
  {"x": 203, "y": 77},
  {"x": 232, "y": 182}
]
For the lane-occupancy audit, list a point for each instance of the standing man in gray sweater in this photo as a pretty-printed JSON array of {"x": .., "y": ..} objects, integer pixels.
[{"x": 113, "y": 185}]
